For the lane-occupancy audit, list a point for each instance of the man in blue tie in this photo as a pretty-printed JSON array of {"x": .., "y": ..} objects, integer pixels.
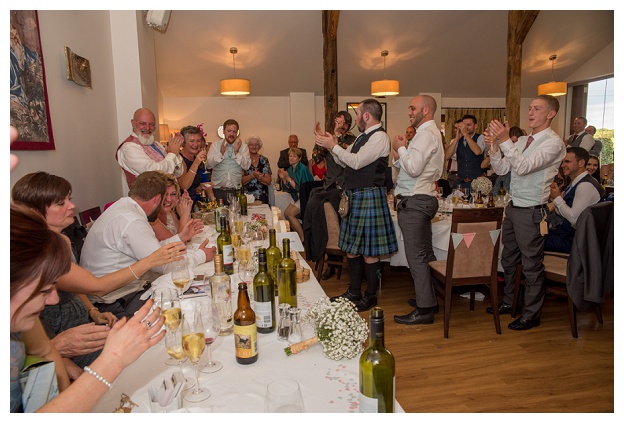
[
  {"x": 533, "y": 162},
  {"x": 583, "y": 191}
]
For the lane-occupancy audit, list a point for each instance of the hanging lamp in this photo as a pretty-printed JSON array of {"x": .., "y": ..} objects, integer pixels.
[
  {"x": 384, "y": 87},
  {"x": 235, "y": 86},
  {"x": 553, "y": 88}
]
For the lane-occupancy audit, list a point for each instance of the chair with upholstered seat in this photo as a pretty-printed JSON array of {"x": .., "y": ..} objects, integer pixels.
[
  {"x": 89, "y": 216},
  {"x": 585, "y": 275},
  {"x": 331, "y": 249},
  {"x": 473, "y": 264}
]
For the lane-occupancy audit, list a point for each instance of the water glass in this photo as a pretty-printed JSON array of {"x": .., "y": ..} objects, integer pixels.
[{"x": 283, "y": 396}]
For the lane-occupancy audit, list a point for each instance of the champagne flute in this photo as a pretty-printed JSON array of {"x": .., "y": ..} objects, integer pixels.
[
  {"x": 193, "y": 343},
  {"x": 210, "y": 319},
  {"x": 181, "y": 276},
  {"x": 169, "y": 301},
  {"x": 173, "y": 343}
]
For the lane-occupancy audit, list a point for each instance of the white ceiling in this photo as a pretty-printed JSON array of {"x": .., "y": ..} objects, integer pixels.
[{"x": 460, "y": 54}]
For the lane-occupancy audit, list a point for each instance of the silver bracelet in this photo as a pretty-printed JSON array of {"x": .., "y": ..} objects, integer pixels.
[
  {"x": 133, "y": 274},
  {"x": 98, "y": 376}
]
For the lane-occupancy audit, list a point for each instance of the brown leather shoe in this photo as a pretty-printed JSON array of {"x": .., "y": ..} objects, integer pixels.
[{"x": 328, "y": 273}]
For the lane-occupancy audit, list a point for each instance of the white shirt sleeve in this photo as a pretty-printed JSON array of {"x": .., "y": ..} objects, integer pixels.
[
  {"x": 413, "y": 160},
  {"x": 132, "y": 158},
  {"x": 550, "y": 150},
  {"x": 587, "y": 142},
  {"x": 214, "y": 156},
  {"x": 242, "y": 157},
  {"x": 377, "y": 146},
  {"x": 585, "y": 196}
]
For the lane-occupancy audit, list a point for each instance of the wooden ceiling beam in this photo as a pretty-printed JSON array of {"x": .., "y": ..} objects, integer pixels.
[
  {"x": 519, "y": 25},
  {"x": 330, "y": 65}
]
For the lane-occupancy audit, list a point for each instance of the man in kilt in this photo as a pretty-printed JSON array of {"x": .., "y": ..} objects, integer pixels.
[
  {"x": 420, "y": 165},
  {"x": 367, "y": 232}
]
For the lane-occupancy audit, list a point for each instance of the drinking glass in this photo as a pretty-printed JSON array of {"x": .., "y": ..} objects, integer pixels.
[
  {"x": 173, "y": 343},
  {"x": 194, "y": 343},
  {"x": 283, "y": 396},
  {"x": 181, "y": 276},
  {"x": 210, "y": 320},
  {"x": 440, "y": 192},
  {"x": 247, "y": 233},
  {"x": 257, "y": 239},
  {"x": 466, "y": 192},
  {"x": 246, "y": 273}
]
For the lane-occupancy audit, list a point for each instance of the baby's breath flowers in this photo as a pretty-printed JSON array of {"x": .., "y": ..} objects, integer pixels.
[
  {"x": 482, "y": 184},
  {"x": 338, "y": 327}
]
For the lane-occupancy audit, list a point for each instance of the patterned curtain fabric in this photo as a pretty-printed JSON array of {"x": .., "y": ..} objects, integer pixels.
[{"x": 484, "y": 116}]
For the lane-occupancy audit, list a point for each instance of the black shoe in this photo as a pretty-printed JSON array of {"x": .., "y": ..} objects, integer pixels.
[
  {"x": 328, "y": 273},
  {"x": 522, "y": 324},
  {"x": 412, "y": 303},
  {"x": 415, "y": 318},
  {"x": 349, "y": 296},
  {"x": 366, "y": 304},
  {"x": 504, "y": 308}
]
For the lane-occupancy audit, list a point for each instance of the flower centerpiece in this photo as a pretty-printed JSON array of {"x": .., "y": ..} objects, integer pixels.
[
  {"x": 259, "y": 223},
  {"x": 482, "y": 184},
  {"x": 338, "y": 327}
]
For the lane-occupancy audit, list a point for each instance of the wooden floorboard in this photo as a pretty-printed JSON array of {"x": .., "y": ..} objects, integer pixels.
[{"x": 475, "y": 370}]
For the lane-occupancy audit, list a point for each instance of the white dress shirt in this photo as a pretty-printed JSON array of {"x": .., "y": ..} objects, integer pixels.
[
  {"x": 133, "y": 158},
  {"x": 119, "y": 238},
  {"x": 378, "y": 145},
  {"x": 587, "y": 142},
  {"x": 586, "y": 195},
  {"x": 223, "y": 176}
]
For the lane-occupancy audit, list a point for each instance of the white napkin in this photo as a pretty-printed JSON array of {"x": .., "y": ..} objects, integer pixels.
[{"x": 250, "y": 198}]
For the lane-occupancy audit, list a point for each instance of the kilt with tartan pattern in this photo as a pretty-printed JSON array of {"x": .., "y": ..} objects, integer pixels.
[{"x": 368, "y": 229}]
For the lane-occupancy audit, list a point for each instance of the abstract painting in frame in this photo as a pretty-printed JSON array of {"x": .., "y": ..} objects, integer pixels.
[{"x": 30, "y": 112}]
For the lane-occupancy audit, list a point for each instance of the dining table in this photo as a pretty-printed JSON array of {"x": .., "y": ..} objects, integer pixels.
[{"x": 327, "y": 385}]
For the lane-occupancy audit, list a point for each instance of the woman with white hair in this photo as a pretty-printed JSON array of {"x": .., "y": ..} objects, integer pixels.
[{"x": 257, "y": 178}]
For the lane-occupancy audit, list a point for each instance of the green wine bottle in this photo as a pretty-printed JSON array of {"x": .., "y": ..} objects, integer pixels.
[
  {"x": 242, "y": 200},
  {"x": 377, "y": 370},
  {"x": 274, "y": 255},
  {"x": 287, "y": 277},
  {"x": 264, "y": 296},
  {"x": 224, "y": 246}
]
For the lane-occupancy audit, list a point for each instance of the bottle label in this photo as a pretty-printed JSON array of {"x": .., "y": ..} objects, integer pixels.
[
  {"x": 246, "y": 341},
  {"x": 264, "y": 314},
  {"x": 228, "y": 255},
  {"x": 368, "y": 405}
]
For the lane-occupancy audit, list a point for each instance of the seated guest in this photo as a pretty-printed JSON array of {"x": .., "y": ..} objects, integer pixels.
[
  {"x": 284, "y": 161},
  {"x": 140, "y": 153},
  {"x": 193, "y": 158},
  {"x": 593, "y": 166},
  {"x": 257, "y": 178},
  {"x": 122, "y": 235},
  {"x": 515, "y": 132},
  {"x": 296, "y": 175},
  {"x": 70, "y": 322},
  {"x": 582, "y": 192},
  {"x": 168, "y": 223},
  {"x": 39, "y": 257},
  {"x": 607, "y": 172},
  {"x": 319, "y": 169}
]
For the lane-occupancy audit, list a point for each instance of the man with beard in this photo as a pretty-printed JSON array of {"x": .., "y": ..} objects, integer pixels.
[
  {"x": 122, "y": 235},
  {"x": 227, "y": 158},
  {"x": 139, "y": 153},
  {"x": 420, "y": 165},
  {"x": 367, "y": 232}
]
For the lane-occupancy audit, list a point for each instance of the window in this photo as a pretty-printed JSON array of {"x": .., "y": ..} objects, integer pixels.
[{"x": 600, "y": 114}]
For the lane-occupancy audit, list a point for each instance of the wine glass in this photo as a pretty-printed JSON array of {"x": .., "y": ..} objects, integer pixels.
[
  {"x": 169, "y": 302},
  {"x": 210, "y": 319},
  {"x": 194, "y": 343},
  {"x": 283, "y": 396},
  {"x": 440, "y": 192},
  {"x": 247, "y": 233},
  {"x": 181, "y": 276},
  {"x": 173, "y": 343},
  {"x": 257, "y": 239},
  {"x": 246, "y": 273}
]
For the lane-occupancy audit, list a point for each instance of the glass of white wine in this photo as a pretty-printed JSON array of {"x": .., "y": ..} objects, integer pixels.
[
  {"x": 173, "y": 343},
  {"x": 181, "y": 276},
  {"x": 194, "y": 343}
]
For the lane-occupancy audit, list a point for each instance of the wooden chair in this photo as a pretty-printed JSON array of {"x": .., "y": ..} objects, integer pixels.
[
  {"x": 90, "y": 215},
  {"x": 472, "y": 266},
  {"x": 333, "y": 233},
  {"x": 556, "y": 264}
]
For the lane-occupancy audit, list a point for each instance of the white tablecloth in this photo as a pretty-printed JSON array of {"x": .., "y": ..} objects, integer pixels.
[{"x": 327, "y": 385}]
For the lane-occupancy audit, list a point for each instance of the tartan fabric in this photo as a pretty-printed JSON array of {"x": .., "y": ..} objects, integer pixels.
[{"x": 368, "y": 229}]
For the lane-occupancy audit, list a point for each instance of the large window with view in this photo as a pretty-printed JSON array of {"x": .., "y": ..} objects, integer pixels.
[{"x": 600, "y": 114}]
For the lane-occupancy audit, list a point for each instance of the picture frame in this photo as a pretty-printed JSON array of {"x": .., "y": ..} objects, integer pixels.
[
  {"x": 30, "y": 111},
  {"x": 352, "y": 109}
]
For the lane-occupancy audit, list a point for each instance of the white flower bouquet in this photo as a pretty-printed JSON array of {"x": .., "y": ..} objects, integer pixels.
[
  {"x": 338, "y": 327},
  {"x": 482, "y": 184}
]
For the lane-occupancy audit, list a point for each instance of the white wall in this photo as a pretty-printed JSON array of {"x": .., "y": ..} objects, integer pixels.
[{"x": 84, "y": 120}]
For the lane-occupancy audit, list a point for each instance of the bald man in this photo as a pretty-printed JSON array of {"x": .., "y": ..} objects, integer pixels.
[{"x": 139, "y": 153}]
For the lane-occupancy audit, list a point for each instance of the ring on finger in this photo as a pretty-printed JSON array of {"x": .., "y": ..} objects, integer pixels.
[{"x": 148, "y": 324}]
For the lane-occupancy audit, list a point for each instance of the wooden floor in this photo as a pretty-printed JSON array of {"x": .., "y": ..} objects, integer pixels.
[{"x": 475, "y": 370}]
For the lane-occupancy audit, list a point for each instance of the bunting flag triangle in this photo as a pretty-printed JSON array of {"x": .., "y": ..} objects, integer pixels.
[
  {"x": 457, "y": 239},
  {"x": 468, "y": 238},
  {"x": 494, "y": 235}
]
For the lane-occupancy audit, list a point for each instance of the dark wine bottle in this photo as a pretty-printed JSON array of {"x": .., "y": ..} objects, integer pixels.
[
  {"x": 274, "y": 255},
  {"x": 242, "y": 200},
  {"x": 224, "y": 246},
  {"x": 287, "y": 277},
  {"x": 264, "y": 296},
  {"x": 245, "y": 330},
  {"x": 377, "y": 370}
]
